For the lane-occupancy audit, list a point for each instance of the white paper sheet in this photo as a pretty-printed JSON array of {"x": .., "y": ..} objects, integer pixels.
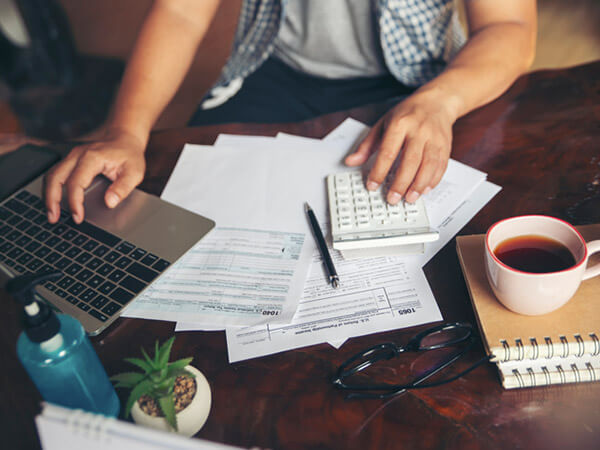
[
  {"x": 377, "y": 295},
  {"x": 260, "y": 341},
  {"x": 231, "y": 277}
]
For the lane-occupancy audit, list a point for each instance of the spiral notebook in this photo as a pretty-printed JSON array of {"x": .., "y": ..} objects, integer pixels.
[
  {"x": 61, "y": 429},
  {"x": 571, "y": 331}
]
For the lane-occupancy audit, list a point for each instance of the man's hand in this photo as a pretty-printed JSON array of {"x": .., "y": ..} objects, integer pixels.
[
  {"x": 119, "y": 156},
  {"x": 417, "y": 132}
]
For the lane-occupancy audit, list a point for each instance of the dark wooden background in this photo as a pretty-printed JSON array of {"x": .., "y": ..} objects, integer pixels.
[{"x": 541, "y": 143}]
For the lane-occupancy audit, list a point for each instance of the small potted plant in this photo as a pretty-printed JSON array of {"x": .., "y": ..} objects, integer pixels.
[{"x": 172, "y": 396}]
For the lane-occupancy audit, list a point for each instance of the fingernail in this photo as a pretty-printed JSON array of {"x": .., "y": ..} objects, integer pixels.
[
  {"x": 112, "y": 200},
  {"x": 76, "y": 218},
  {"x": 427, "y": 190},
  {"x": 393, "y": 198},
  {"x": 372, "y": 186},
  {"x": 412, "y": 196},
  {"x": 50, "y": 215}
]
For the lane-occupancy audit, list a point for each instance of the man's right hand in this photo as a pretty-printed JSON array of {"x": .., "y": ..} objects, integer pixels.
[{"x": 118, "y": 155}]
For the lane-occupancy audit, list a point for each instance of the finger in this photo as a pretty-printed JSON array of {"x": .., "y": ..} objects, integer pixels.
[
  {"x": 366, "y": 147},
  {"x": 430, "y": 162},
  {"x": 391, "y": 143},
  {"x": 439, "y": 173},
  {"x": 126, "y": 182},
  {"x": 87, "y": 168},
  {"x": 409, "y": 164},
  {"x": 53, "y": 185}
]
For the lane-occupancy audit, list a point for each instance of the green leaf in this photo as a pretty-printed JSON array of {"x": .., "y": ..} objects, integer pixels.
[
  {"x": 127, "y": 379},
  {"x": 140, "y": 363},
  {"x": 148, "y": 359},
  {"x": 165, "y": 352},
  {"x": 180, "y": 364},
  {"x": 167, "y": 405},
  {"x": 142, "y": 388},
  {"x": 156, "y": 352}
]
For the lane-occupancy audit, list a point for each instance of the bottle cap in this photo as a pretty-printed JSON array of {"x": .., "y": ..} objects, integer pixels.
[{"x": 40, "y": 321}]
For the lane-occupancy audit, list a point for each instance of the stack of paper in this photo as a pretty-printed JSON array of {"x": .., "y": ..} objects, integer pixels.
[{"x": 259, "y": 275}]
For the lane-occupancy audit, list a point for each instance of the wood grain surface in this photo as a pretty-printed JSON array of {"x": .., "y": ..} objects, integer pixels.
[{"x": 541, "y": 143}]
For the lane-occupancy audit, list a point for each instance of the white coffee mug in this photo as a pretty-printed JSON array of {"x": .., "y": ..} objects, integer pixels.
[{"x": 537, "y": 293}]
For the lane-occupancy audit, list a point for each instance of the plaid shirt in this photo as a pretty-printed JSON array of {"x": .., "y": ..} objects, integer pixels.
[{"x": 418, "y": 37}]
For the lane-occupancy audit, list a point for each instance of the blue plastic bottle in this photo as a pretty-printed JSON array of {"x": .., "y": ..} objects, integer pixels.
[{"x": 58, "y": 355}]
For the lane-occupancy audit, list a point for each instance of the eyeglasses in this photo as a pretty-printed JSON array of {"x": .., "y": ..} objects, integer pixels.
[{"x": 456, "y": 336}]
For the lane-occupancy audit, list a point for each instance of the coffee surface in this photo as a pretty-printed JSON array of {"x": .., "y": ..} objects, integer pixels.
[{"x": 534, "y": 254}]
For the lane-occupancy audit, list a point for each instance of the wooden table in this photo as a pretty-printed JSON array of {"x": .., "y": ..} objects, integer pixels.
[{"x": 541, "y": 143}]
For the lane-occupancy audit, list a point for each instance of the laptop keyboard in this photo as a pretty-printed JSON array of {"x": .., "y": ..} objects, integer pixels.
[{"x": 101, "y": 272}]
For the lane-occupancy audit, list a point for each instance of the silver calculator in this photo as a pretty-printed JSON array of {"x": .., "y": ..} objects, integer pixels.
[{"x": 363, "y": 219}]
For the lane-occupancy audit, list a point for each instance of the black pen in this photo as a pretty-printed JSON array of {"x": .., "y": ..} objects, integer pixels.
[{"x": 316, "y": 229}]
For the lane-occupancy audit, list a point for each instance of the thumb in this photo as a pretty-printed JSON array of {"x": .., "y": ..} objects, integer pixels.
[
  {"x": 366, "y": 147},
  {"x": 126, "y": 182}
]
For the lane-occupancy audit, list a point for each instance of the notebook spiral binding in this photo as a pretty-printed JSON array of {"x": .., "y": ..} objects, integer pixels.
[
  {"x": 548, "y": 375},
  {"x": 548, "y": 349}
]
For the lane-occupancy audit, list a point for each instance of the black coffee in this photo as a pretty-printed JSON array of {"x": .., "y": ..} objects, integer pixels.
[{"x": 534, "y": 254}]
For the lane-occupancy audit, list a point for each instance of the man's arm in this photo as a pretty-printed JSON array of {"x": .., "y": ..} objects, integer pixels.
[
  {"x": 161, "y": 57},
  {"x": 501, "y": 46}
]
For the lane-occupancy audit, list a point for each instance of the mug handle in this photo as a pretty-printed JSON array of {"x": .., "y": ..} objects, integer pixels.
[{"x": 590, "y": 272}]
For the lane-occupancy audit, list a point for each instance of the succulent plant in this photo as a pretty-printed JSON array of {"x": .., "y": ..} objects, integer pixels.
[{"x": 156, "y": 380}]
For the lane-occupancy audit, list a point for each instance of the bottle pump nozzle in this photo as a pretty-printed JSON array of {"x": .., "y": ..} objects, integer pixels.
[{"x": 41, "y": 323}]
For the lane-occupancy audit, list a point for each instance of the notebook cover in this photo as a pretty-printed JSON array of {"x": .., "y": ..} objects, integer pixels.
[{"x": 572, "y": 329}]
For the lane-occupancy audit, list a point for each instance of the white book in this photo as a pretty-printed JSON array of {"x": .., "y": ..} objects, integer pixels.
[{"x": 64, "y": 429}]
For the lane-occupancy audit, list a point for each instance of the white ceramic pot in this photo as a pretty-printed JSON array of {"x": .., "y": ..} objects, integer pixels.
[{"x": 190, "y": 419}]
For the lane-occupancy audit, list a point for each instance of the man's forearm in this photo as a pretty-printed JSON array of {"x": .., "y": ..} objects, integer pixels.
[
  {"x": 159, "y": 61},
  {"x": 489, "y": 63}
]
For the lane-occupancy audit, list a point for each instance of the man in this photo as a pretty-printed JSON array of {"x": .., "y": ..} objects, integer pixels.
[{"x": 414, "y": 42}]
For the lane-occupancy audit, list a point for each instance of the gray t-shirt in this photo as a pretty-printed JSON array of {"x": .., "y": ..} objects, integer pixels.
[{"x": 331, "y": 39}]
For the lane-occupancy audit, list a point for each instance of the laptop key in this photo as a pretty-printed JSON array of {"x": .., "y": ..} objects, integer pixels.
[
  {"x": 72, "y": 299},
  {"x": 106, "y": 287},
  {"x": 42, "y": 236},
  {"x": 15, "y": 253},
  {"x": 72, "y": 252},
  {"x": 34, "y": 265},
  {"x": 94, "y": 232},
  {"x": 73, "y": 269},
  {"x": 138, "y": 253},
  {"x": 90, "y": 245},
  {"x": 62, "y": 247},
  {"x": 105, "y": 269},
  {"x": 30, "y": 214},
  {"x": 100, "y": 251},
  {"x": 83, "y": 258},
  {"x": 84, "y": 306},
  {"x": 61, "y": 293},
  {"x": 121, "y": 296},
  {"x": 62, "y": 263},
  {"x": 23, "y": 241},
  {"x": 111, "y": 308},
  {"x": 65, "y": 282},
  {"x": 98, "y": 315},
  {"x": 13, "y": 235},
  {"x": 70, "y": 234},
  {"x": 33, "y": 246},
  {"x": 59, "y": 229},
  {"x": 23, "y": 225},
  {"x": 94, "y": 263},
  {"x": 99, "y": 302},
  {"x": 52, "y": 241},
  {"x": 95, "y": 281},
  {"x": 23, "y": 195},
  {"x": 14, "y": 220},
  {"x": 111, "y": 257},
  {"x": 77, "y": 288},
  {"x": 142, "y": 272},
  {"x": 132, "y": 284},
  {"x": 16, "y": 206},
  {"x": 4, "y": 213},
  {"x": 33, "y": 230},
  {"x": 122, "y": 262},
  {"x": 80, "y": 240},
  {"x": 125, "y": 247},
  {"x": 87, "y": 295},
  {"x": 25, "y": 258},
  {"x": 84, "y": 275},
  {"x": 52, "y": 257},
  {"x": 19, "y": 268},
  {"x": 6, "y": 247},
  {"x": 161, "y": 265},
  {"x": 116, "y": 275}
]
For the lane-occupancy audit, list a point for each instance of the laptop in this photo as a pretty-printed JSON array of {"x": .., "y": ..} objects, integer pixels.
[{"x": 106, "y": 261}]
